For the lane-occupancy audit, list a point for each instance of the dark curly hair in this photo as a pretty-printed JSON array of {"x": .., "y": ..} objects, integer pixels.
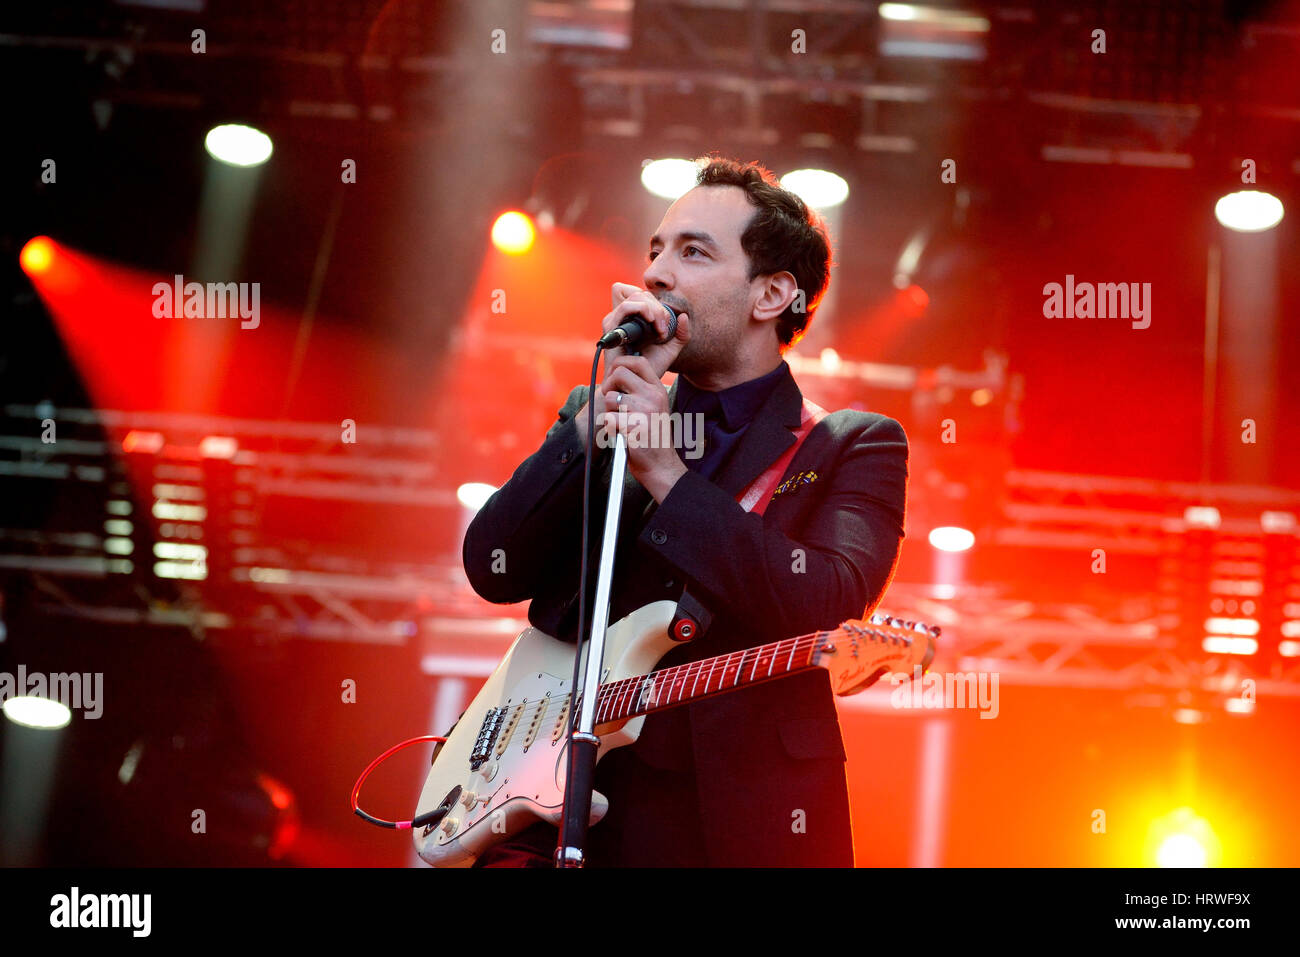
[{"x": 784, "y": 235}]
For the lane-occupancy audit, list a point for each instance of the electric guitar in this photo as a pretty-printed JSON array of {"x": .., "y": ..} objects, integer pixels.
[{"x": 504, "y": 763}]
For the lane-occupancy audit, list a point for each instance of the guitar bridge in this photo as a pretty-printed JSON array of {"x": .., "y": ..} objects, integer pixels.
[{"x": 487, "y": 737}]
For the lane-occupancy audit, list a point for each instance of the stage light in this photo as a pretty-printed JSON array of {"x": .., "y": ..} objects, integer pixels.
[
  {"x": 1249, "y": 211},
  {"x": 193, "y": 571},
  {"x": 830, "y": 360},
  {"x": 33, "y": 712},
  {"x": 218, "y": 447},
  {"x": 1277, "y": 522},
  {"x": 1182, "y": 838},
  {"x": 1237, "y": 586},
  {"x": 940, "y": 17},
  {"x": 1181, "y": 850},
  {"x": 138, "y": 440},
  {"x": 949, "y": 538},
  {"x": 669, "y": 178},
  {"x": 1225, "y": 645},
  {"x": 238, "y": 145},
  {"x": 275, "y": 576},
  {"x": 37, "y": 255},
  {"x": 180, "y": 513},
  {"x": 473, "y": 495},
  {"x": 169, "y": 490},
  {"x": 897, "y": 11},
  {"x": 1232, "y": 626},
  {"x": 913, "y": 301},
  {"x": 181, "y": 551},
  {"x": 1201, "y": 516},
  {"x": 932, "y": 32},
  {"x": 513, "y": 233},
  {"x": 819, "y": 188}
]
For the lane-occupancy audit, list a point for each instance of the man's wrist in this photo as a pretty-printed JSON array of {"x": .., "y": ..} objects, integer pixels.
[
  {"x": 580, "y": 423},
  {"x": 661, "y": 482}
]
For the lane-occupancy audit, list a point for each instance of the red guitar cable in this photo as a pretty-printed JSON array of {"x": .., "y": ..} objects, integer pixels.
[{"x": 356, "y": 788}]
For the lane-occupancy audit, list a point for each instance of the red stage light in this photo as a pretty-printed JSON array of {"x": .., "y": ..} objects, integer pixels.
[
  {"x": 139, "y": 441},
  {"x": 37, "y": 255},
  {"x": 513, "y": 233},
  {"x": 914, "y": 300}
]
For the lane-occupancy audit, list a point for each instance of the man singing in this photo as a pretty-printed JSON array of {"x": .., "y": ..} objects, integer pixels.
[{"x": 754, "y": 777}]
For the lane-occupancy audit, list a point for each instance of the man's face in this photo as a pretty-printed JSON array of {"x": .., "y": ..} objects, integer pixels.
[{"x": 697, "y": 266}]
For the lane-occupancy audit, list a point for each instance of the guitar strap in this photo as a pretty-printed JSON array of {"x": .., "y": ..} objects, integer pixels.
[
  {"x": 759, "y": 494},
  {"x": 692, "y": 618}
]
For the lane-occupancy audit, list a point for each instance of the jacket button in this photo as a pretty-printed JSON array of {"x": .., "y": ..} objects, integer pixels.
[
  {"x": 669, "y": 583},
  {"x": 658, "y": 536},
  {"x": 568, "y": 454}
]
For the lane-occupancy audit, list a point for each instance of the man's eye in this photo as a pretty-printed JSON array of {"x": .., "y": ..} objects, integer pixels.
[{"x": 650, "y": 256}]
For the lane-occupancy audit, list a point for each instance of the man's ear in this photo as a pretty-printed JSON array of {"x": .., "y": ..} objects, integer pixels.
[{"x": 775, "y": 293}]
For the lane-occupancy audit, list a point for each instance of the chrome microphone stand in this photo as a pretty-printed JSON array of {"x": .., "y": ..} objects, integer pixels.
[{"x": 583, "y": 743}]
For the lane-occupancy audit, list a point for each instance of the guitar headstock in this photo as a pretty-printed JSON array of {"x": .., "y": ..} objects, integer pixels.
[{"x": 859, "y": 651}]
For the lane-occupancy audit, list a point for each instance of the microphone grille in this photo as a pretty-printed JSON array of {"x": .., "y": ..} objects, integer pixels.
[{"x": 672, "y": 323}]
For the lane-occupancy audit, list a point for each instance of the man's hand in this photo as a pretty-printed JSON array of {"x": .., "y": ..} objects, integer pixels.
[
  {"x": 628, "y": 300},
  {"x": 635, "y": 403},
  {"x": 631, "y": 300}
]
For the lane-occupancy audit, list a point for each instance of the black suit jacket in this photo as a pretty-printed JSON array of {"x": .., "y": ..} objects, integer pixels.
[{"x": 765, "y": 764}]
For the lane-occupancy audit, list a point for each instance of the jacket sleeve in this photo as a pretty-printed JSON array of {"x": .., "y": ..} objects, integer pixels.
[
  {"x": 838, "y": 567},
  {"x": 528, "y": 532}
]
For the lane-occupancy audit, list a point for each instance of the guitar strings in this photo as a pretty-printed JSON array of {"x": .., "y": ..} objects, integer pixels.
[{"x": 609, "y": 693}]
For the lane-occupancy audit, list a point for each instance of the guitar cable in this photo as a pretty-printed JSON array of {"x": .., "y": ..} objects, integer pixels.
[
  {"x": 379, "y": 822},
  {"x": 433, "y": 815}
]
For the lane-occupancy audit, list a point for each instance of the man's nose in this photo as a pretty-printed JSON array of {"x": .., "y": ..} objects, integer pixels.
[{"x": 657, "y": 275}]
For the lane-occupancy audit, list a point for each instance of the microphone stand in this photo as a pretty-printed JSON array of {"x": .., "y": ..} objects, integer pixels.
[{"x": 583, "y": 743}]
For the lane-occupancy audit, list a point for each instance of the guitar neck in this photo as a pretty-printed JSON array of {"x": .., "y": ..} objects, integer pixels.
[{"x": 681, "y": 684}]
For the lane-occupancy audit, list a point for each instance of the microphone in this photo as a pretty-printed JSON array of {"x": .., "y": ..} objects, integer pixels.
[{"x": 636, "y": 328}]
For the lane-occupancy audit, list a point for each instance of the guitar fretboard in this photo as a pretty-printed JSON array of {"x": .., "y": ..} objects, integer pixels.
[{"x": 669, "y": 687}]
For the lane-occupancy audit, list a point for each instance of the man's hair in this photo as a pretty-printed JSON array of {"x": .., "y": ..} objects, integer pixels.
[{"x": 783, "y": 235}]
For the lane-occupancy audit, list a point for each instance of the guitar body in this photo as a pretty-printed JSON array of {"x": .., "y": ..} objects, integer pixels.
[{"x": 504, "y": 764}]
